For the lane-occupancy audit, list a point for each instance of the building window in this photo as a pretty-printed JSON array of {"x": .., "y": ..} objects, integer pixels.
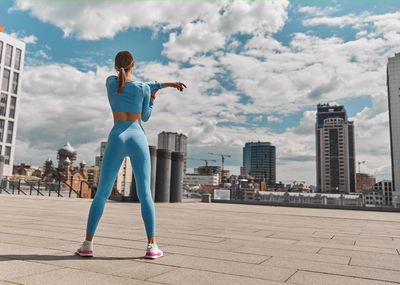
[
  {"x": 10, "y": 131},
  {"x": 14, "y": 87},
  {"x": 1, "y": 129},
  {"x": 7, "y": 155},
  {"x": 6, "y": 80},
  {"x": 7, "y": 59},
  {"x": 17, "y": 62},
  {"x": 12, "y": 107},
  {"x": 1, "y": 50},
  {"x": 3, "y": 104}
]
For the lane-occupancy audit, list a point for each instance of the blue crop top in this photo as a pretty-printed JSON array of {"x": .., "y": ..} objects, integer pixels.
[{"x": 135, "y": 98}]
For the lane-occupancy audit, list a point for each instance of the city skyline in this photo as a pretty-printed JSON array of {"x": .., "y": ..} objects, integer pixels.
[{"x": 309, "y": 53}]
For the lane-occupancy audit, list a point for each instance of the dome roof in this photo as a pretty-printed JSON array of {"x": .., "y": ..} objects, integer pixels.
[{"x": 68, "y": 148}]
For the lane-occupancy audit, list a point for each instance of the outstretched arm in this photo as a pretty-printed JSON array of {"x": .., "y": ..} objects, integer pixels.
[
  {"x": 177, "y": 85},
  {"x": 147, "y": 106},
  {"x": 156, "y": 86}
]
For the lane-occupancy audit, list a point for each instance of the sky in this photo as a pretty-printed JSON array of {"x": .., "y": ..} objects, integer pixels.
[{"x": 254, "y": 70}]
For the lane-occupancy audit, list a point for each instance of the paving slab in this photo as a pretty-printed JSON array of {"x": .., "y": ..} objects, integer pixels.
[{"x": 203, "y": 243}]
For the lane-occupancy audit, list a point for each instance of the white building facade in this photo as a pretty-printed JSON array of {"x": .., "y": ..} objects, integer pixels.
[
  {"x": 199, "y": 179},
  {"x": 124, "y": 178},
  {"x": 12, "y": 53},
  {"x": 393, "y": 85}
]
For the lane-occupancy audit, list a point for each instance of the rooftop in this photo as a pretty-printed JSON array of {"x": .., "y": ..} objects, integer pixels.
[{"x": 203, "y": 243}]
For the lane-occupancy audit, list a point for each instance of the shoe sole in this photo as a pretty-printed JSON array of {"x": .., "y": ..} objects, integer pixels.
[
  {"x": 153, "y": 257},
  {"x": 83, "y": 255}
]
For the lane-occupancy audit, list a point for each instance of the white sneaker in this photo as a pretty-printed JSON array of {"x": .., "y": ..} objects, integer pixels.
[
  {"x": 86, "y": 249},
  {"x": 153, "y": 251}
]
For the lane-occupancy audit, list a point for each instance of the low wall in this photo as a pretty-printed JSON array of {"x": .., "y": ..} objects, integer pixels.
[{"x": 318, "y": 206}]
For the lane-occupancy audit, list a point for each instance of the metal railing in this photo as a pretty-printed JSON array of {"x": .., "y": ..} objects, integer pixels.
[{"x": 25, "y": 186}]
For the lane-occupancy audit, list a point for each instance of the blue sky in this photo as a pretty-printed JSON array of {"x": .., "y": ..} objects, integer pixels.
[{"x": 172, "y": 47}]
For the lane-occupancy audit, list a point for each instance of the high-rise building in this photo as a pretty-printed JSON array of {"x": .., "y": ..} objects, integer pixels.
[
  {"x": 12, "y": 52},
  {"x": 259, "y": 161},
  {"x": 173, "y": 142},
  {"x": 393, "y": 85},
  {"x": 335, "y": 153},
  {"x": 124, "y": 178}
]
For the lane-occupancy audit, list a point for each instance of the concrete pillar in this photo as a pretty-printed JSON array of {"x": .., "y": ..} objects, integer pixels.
[
  {"x": 153, "y": 160},
  {"x": 163, "y": 175},
  {"x": 177, "y": 167}
]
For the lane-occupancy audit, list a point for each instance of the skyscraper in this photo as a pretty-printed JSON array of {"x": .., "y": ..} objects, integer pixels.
[
  {"x": 393, "y": 85},
  {"x": 259, "y": 161},
  {"x": 174, "y": 142},
  {"x": 124, "y": 178},
  {"x": 335, "y": 153},
  {"x": 12, "y": 52}
]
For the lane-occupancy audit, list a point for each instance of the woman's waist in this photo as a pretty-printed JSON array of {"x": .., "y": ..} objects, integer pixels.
[{"x": 126, "y": 116}]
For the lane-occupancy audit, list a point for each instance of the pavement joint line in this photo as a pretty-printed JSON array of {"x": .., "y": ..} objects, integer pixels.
[
  {"x": 214, "y": 258},
  {"x": 349, "y": 260},
  {"x": 95, "y": 272},
  {"x": 306, "y": 216},
  {"x": 37, "y": 273},
  {"x": 32, "y": 224},
  {"x": 219, "y": 272},
  {"x": 35, "y": 236},
  {"x": 174, "y": 269},
  {"x": 11, "y": 282},
  {"x": 286, "y": 280},
  {"x": 351, "y": 276},
  {"x": 363, "y": 251},
  {"x": 261, "y": 262}
]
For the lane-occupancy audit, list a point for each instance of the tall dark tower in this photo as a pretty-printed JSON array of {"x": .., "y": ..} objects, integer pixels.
[
  {"x": 259, "y": 161},
  {"x": 335, "y": 151}
]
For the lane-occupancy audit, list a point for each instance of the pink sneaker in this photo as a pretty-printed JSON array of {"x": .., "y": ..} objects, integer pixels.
[
  {"x": 153, "y": 251},
  {"x": 86, "y": 249}
]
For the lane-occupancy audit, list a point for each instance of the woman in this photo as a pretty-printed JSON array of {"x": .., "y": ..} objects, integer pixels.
[{"x": 130, "y": 101}]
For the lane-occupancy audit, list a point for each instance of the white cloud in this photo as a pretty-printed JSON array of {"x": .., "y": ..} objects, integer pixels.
[
  {"x": 31, "y": 39},
  {"x": 274, "y": 119},
  {"x": 203, "y": 26},
  {"x": 318, "y": 11}
]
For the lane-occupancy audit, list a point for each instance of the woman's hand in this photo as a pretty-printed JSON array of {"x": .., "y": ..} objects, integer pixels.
[{"x": 177, "y": 85}]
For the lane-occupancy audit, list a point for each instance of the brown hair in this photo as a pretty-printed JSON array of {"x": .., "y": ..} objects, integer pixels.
[{"x": 124, "y": 61}]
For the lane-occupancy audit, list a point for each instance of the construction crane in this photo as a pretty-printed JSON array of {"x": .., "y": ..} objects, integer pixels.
[
  {"x": 223, "y": 161},
  {"x": 205, "y": 160}
]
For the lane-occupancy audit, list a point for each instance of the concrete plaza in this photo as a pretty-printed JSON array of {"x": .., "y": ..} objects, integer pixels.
[{"x": 203, "y": 243}]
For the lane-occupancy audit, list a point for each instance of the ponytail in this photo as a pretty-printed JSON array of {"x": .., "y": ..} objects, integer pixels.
[
  {"x": 124, "y": 61},
  {"x": 121, "y": 80}
]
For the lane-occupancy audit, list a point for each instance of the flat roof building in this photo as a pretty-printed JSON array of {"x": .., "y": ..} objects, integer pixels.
[{"x": 12, "y": 53}]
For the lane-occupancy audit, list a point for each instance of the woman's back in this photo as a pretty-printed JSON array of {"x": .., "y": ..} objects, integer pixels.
[{"x": 135, "y": 97}]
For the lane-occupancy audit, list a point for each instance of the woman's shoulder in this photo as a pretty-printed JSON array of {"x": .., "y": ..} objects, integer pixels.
[{"x": 111, "y": 78}]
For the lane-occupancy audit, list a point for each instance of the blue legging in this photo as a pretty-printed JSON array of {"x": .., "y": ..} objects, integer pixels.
[{"x": 126, "y": 138}]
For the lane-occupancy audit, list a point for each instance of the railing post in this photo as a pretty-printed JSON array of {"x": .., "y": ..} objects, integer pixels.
[{"x": 19, "y": 186}]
